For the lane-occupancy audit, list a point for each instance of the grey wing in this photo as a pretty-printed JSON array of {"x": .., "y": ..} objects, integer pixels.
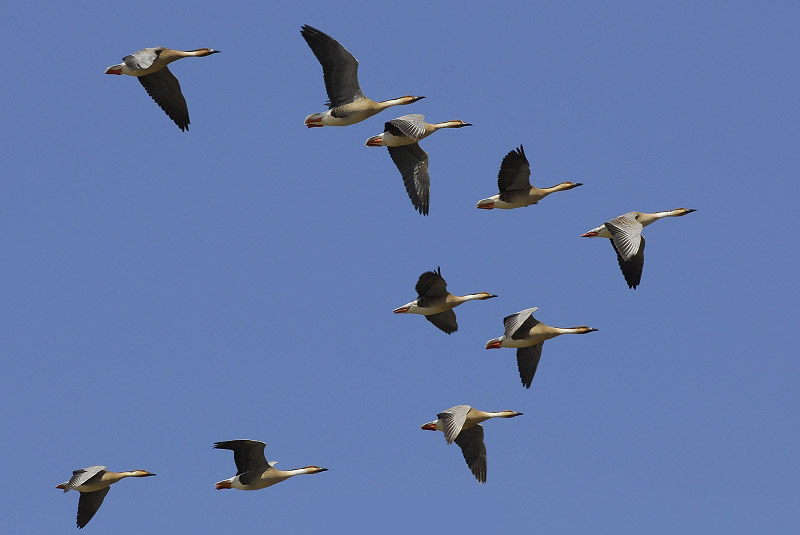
[
  {"x": 514, "y": 322},
  {"x": 412, "y": 162},
  {"x": 626, "y": 234},
  {"x": 81, "y": 476},
  {"x": 88, "y": 504},
  {"x": 631, "y": 268},
  {"x": 453, "y": 420},
  {"x": 628, "y": 243},
  {"x": 515, "y": 172},
  {"x": 339, "y": 67},
  {"x": 474, "y": 450},
  {"x": 446, "y": 321},
  {"x": 165, "y": 89},
  {"x": 247, "y": 454},
  {"x": 142, "y": 59},
  {"x": 431, "y": 284},
  {"x": 528, "y": 361},
  {"x": 412, "y": 125}
]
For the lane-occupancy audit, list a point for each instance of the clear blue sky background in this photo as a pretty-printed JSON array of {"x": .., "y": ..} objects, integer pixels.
[{"x": 164, "y": 290}]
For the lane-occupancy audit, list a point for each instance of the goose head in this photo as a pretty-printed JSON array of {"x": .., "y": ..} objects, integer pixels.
[
  {"x": 314, "y": 469},
  {"x": 202, "y": 52}
]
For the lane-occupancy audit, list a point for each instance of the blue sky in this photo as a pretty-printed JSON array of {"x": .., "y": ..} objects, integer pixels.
[{"x": 165, "y": 290}]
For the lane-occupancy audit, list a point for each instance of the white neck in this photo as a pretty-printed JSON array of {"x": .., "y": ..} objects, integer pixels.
[
  {"x": 394, "y": 102},
  {"x": 572, "y": 330},
  {"x": 646, "y": 219},
  {"x": 501, "y": 414},
  {"x": 447, "y": 124},
  {"x": 295, "y": 472},
  {"x": 470, "y": 297}
]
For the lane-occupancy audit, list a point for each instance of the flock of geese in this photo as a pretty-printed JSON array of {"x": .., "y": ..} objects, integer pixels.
[{"x": 348, "y": 105}]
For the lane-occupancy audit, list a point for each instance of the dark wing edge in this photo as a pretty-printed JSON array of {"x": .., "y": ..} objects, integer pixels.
[
  {"x": 445, "y": 321},
  {"x": 248, "y": 455},
  {"x": 88, "y": 504},
  {"x": 514, "y": 172},
  {"x": 412, "y": 162},
  {"x": 474, "y": 450},
  {"x": 165, "y": 90},
  {"x": 528, "y": 361},
  {"x": 631, "y": 269},
  {"x": 339, "y": 67},
  {"x": 431, "y": 284}
]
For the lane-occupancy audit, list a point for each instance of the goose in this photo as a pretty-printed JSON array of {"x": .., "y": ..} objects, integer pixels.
[
  {"x": 514, "y": 184},
  {"x": 347, "y": 103},
  {"x": 94, "y": 483},
  {"x": 253, "y": 472},
  {"x": 461, "y": 424},
  {"x": 401, "y": 136},
  {"x": 625, "y": 233},
  {"x": 149, "y": 65},
  {"x": 436, "y": 303},
  {"x": 524, "y": 332}
]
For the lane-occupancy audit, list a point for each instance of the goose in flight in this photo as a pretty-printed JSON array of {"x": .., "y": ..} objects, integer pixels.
[
  {"x": 253, "y": 472},
  {"x": 347, "y": 103},
  {"x": 149, "y": 65},
  {"x": 625, "y": 233},
  {"x": 93, "y": 483},
  {"x": 514, "y": 183},
  {"x": 527, "y": 334},
  {"x": 436, "y": 303},
  {"x": 401, "y": 136},
  {"x": 462, "y": 424}
]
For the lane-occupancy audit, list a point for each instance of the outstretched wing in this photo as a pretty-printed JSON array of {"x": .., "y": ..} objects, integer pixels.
[
  {"x": 88, "y": 504},
  {"x": 515, "y": 172},
  {"x": 165, "y": 89},
  {"x": 411, "y": 126},
  {"x": 517, "y": 324},
  {"x": 474, "y": 450},
  {"x": 339, "y": 67},
  {"x": 412, "y": 162},
  {"x": 82, "y": 475},
  {"x": 528, "y": 361},
  {"x": 628, "y": 243},
  {"x": 431, "y": 284},
  {"x": 247, "y": 454},
  {"x": 453, "y": 420},
  {"x": 142, "y": 59},
  {"x": 445, "y": 321}
]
